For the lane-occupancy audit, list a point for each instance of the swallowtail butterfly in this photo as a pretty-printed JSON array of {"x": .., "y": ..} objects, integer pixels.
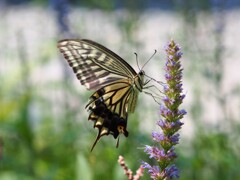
[{"x": 115, "y": 82}]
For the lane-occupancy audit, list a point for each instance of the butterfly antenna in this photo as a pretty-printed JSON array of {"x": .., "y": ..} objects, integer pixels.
[
  {"x": 150, "y": 58},
  {"x": 137, "y": 61}
]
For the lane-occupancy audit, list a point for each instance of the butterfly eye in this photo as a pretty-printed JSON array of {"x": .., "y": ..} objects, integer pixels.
[{"x": 142, "y": 73}]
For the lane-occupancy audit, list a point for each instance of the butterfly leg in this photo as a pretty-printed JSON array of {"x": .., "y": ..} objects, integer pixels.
[{"x": 154, "y": 97}]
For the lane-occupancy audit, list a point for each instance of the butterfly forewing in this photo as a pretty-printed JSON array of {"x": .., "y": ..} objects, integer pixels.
[
  {"x": 116, "y": 82},
  {"x": 94, "y": 65}
]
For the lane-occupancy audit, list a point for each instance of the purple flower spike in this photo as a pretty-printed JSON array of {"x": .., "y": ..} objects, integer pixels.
[{"x": 170, "y": 121}]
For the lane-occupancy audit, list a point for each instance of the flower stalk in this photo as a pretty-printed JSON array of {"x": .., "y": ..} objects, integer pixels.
[
  {"x": 170, "y": 122},
  {"x": 128, "y": 172}
]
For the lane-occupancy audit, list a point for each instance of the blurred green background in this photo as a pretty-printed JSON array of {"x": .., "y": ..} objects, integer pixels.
[{"x": 44, "y": 132}]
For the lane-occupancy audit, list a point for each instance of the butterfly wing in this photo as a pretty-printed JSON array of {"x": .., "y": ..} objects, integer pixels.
[
  {"x": 109, "y": 107},
  {"x": 95, "y": 66},
  {"x": 100, "y": 69}
]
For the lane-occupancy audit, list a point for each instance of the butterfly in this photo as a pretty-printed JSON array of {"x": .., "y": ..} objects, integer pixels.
[{"x": 115, "y": 82}]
